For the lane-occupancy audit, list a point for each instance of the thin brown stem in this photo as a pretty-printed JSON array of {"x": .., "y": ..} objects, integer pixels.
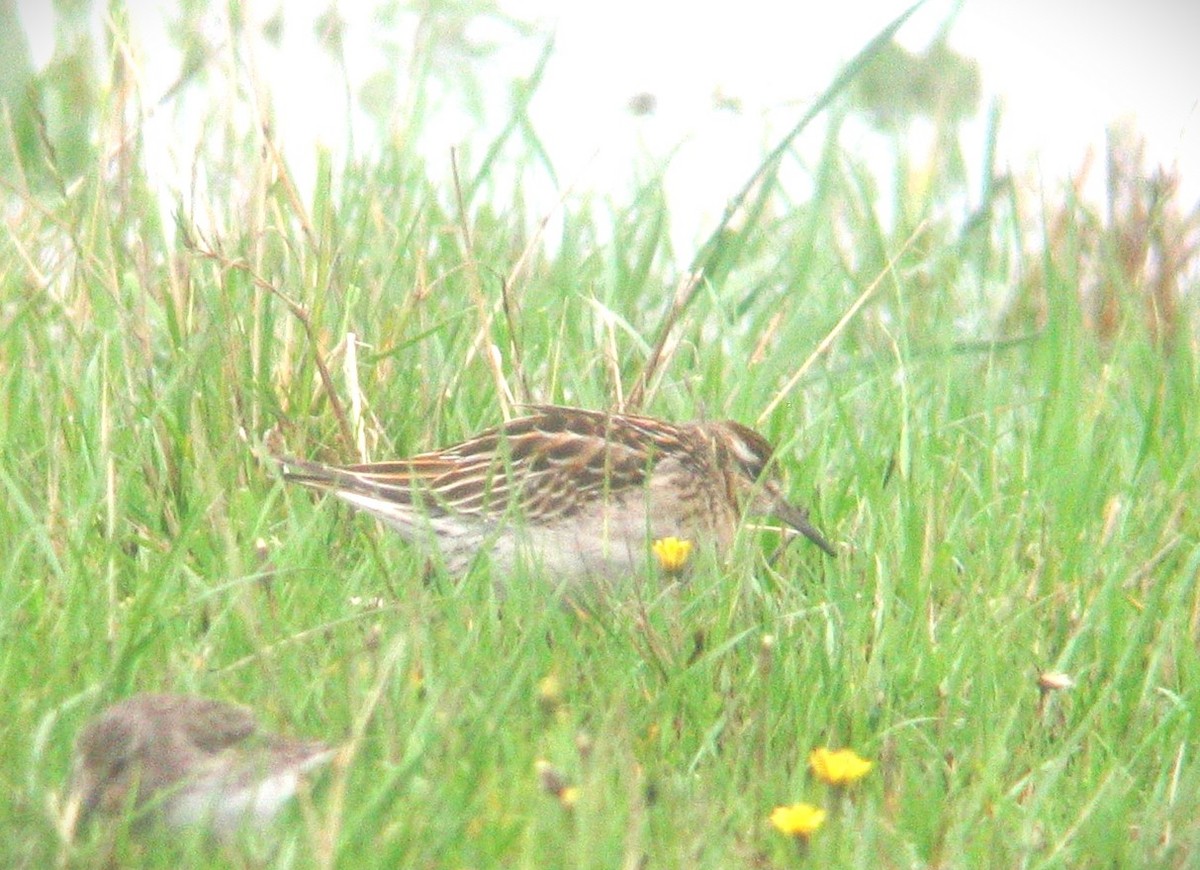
[{"x": 298, "y": 311}]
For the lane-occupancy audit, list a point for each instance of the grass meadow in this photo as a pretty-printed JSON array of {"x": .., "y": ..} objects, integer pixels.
[{"x": 990, "y": 398}]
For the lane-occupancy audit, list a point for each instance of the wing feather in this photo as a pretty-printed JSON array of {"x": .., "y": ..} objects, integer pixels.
[{"x": 549, "y": 464}]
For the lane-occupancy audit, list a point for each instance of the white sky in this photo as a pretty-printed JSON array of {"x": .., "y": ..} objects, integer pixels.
[{"x": 1065, "y": 69}]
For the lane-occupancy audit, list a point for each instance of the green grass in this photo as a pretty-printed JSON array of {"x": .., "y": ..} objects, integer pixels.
[{"x": 1006, "y": 508}]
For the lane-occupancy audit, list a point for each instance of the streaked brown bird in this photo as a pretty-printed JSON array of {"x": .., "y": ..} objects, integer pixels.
[
  {"x": 187, "y": 760},
  {"x": 580, "y": 493}
]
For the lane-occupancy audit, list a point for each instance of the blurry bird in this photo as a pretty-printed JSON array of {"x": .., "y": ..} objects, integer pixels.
[{"x": 187, "y": 760}]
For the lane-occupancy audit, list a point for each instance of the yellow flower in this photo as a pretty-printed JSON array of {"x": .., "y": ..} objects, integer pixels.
[
  {"x": 798, "y": 820},
  {"x": 841, "y": 767},
  {"x": 549, "y": 694},
  {"x": 672, "y": 553}
]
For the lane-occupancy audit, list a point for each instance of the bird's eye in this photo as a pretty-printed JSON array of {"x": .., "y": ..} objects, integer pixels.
[
  {"x": 755, "y": 469},
  {"x": 750, "y": 449}
]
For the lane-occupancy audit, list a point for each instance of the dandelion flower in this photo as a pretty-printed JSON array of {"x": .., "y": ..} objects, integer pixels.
[
  {"x": 672, "y": 553},
  {"x": 838, "y": 768},
  {"x": 798, "y": 820},
  {"x": 549, "y": 694}
]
